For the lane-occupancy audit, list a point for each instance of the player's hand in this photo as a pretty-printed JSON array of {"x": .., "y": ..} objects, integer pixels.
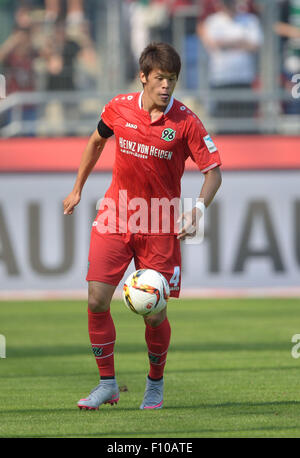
[
  {"x": 70, "y": 202},
  {"x": 189, "y": 221}
]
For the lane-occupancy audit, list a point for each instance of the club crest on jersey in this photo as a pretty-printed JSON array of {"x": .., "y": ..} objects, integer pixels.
[{"x": 168, "y": 134}]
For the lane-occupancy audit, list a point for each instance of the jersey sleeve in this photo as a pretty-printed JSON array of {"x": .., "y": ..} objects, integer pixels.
[
  {"x": 108, "y": 114},
  {"x": 201, "y": 148}
]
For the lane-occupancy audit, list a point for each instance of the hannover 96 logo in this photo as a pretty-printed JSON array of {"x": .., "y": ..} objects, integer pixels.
[
  {"x": 97, "y": 351},
  {"x": 168, "y": 134}
]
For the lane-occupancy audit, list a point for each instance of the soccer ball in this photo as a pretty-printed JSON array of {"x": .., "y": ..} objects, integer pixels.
[{"x": 146, "y": 292}]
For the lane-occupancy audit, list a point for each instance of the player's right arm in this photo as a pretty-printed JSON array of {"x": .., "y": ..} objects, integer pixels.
[{"x": 89, "y": 158}]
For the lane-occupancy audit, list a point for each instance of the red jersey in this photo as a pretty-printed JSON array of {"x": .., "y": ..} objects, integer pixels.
[{"x": 150, "y": 156}]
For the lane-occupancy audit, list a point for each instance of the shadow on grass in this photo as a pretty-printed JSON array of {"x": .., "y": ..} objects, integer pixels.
[
  {"x": 126, "y": 374},
  {"x": 196, "y": 433},
  {"x": 69, "y": 350},
  {"x": 189, "y": 434},
  {"x": 116, "y": 410},
  {"x": 240, "y": 408},
  {"x": 180, "y": 434}
]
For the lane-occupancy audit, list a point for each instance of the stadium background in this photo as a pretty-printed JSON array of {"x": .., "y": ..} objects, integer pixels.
[{"x": 62, "y": 65}]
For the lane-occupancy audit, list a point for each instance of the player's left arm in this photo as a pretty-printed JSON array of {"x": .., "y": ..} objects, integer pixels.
[
  {"x": 212, "y": 182},
  {"x": 202, "y": 150}
]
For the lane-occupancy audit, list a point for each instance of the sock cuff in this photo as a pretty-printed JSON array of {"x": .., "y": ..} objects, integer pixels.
[
  {"x": 155, "y": 379},
  {"x": 163, "y": 323},
  {"x": 99, "y": 314}
]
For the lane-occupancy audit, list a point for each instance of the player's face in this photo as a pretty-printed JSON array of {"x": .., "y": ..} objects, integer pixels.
[{"x": 159, "y": 86}]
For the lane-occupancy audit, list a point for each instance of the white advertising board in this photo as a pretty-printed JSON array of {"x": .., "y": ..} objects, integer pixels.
[{"x": 252, "y": 232}]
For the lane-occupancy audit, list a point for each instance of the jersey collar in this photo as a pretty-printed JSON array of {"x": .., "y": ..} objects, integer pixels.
[{"x": 170, "y": 104}]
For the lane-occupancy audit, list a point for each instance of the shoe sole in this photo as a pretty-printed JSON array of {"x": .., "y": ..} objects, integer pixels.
[
  {"x": 158, "y": 406},
  {"x": 111, "y": 402}
]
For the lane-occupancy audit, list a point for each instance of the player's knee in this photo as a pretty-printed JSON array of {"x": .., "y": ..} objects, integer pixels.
[
  {"x": 99, "y": 297},
  {"x": 98, "y": 303},
  {"x": 155, "y": 320}
]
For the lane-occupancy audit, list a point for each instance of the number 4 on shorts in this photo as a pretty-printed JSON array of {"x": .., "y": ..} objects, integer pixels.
[{"x": 175, "y": 277}]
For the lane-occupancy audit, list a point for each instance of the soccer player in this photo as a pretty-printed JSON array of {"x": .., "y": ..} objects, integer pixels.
[{"x": 155, "y": 134}]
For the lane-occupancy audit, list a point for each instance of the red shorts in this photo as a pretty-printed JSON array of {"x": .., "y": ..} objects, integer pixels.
[{"x": 110, "y": 255}]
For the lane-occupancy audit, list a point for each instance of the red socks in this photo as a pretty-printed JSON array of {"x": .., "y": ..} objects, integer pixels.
[
  {"x": 158, "y": 340},
  {"x": 102, "y": 336}
]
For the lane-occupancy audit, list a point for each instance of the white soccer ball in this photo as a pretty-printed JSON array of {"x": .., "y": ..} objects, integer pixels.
[{"x": 146, "y": 292}]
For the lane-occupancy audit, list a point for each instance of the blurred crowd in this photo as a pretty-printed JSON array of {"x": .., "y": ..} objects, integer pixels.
[
  {"x": 50, "y": 47},
  {"x": 52, "y": 44},
  {"x": 231, "y": 34}
]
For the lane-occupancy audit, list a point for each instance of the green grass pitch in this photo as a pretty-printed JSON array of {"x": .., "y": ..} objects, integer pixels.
[{"x": 229, "y": 373}]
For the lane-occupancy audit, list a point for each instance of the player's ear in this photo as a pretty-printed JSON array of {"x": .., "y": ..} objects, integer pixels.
[{"x": 143, "y": 78}]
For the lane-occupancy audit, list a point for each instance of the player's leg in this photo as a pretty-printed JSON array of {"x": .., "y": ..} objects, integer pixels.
[
  {"x": 102, "y": 337},
  {"x": 157, "y": 336},
  {"x": 161, "y": 253},
  {"x": 109, "y": 257},
  {"x": 101, "y": 327}
]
